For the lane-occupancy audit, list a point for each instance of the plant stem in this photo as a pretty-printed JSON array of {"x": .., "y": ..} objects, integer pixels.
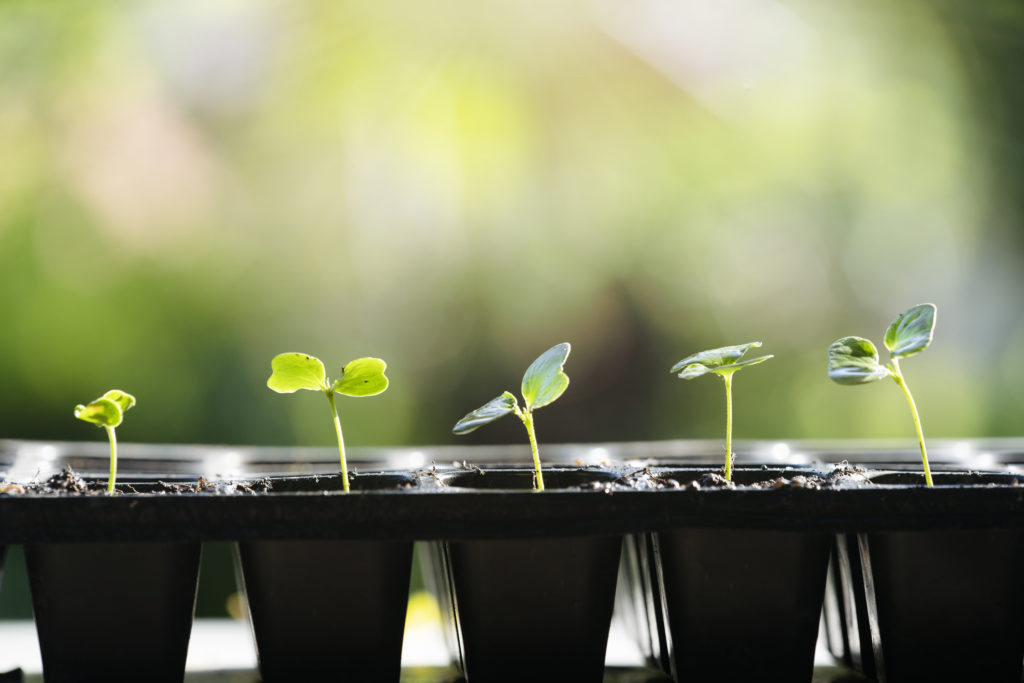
[
  {"x": 898, "y": 377},
  {"x": 527, "y": 419},
  {"x": 113, "y": 460},
  {"x": 341, "y": 440},
  {"x": 728, "y": 426}
]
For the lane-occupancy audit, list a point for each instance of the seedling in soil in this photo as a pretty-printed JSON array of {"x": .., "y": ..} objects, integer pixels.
[
  {"x": 854, "y": 360},
  {"x": 543, "y": 382},
  {"x": 724, "y": 362},
  {"x": 107, "y": 411},
  {"x": 360, "y": 377}
]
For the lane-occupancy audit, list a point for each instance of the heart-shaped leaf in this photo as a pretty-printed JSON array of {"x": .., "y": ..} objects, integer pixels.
[
  {"x": 294, "y": 371},
  {"x": 721, "y": 361},
  {"x": 544, "y": 380},
  {"x": 123, "y": 399},
  {"x": 489, "y": 412},
  {"x": 911, "y": 331},
  {"x": 362, "y": 377},
  {"x": 103, "y": 412},
  {"x": 854, "y": 360}
]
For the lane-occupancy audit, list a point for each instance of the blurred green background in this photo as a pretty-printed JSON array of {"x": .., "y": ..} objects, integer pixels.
[{"x": 189, "y": 188}]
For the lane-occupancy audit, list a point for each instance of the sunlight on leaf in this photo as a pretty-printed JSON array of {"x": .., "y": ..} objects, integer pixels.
[
  {"x": 294, "y": 371},
  {"x": 854, "y": 360},
  {"x": 123, "y": 399},
  {"x": 544, "y": 380},
  {"x": 721, "y": 361},
  {"x": 911, "y": 331},
  {"x": 103, "y": 412},
  {"x": 489, "y": 412},
  {"x": 362, "y": 377}
]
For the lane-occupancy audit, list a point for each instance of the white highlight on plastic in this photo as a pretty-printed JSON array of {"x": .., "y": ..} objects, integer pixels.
[
  {"x": 596, "y": 456},
  {"x": 33, "y": 463},
  {"x": 962, "y": 450},
  {"x": 416, "y": 459},
  {"x": 983, "y": 461},
  {"x": 226, "y": 464}
]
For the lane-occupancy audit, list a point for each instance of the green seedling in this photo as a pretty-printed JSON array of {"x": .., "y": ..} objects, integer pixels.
[
  {"x": 543, "y": 382},
  {"x": 724, "y": 362},
  {"x": 360, "y": 377},
  {"x": 107, "y": 411},
  {"x": 854, "y": 360}
]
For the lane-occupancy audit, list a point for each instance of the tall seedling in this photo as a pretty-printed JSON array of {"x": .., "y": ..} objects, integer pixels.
[
  {"x": 724, "y": 362},
  {"x": 360, "y": 377},
  {"x": 854, "y": 360},
  {"x": 543, "y": 382},
  {"x": 107, "y": 411}
]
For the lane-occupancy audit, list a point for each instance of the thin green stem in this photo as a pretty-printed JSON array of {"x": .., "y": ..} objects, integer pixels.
[
  {"x": 527, "y": 419},
  {"x": 728, "y": 426},
  {"x": 341, "y": 440},
  {"x": 898, "y": 377},
  {"x": 113, "y": 460}
]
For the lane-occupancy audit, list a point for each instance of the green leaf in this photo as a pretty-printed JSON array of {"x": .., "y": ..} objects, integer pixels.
[
  {"x": 489, "y": 412},
  {"x": 362, "y": 377},
  {"x": 103, "y": 412},
  {"x": 721, "y": 361},
  {"x": 854, "y": 360},
  {"x": 123, "y": 399},
  {"x": 544, "y": 380},
  {"x": 911, "y": 331},
  {"x": 713, "y": 358},
  {"x": 694, "y": 370},
  {"x": 294, "y": 371}
]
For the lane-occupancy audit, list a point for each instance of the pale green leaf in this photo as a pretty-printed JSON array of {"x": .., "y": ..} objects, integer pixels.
[
  {"x": 544, "y": 380},
  {"x": 123, "y": 399},
  {"x": 911, "y": 331},
  {"x": 294, "y": 371},
  {"x": 854, "y": 360},
  {"x": 362, "y": 377},
  {"x": 103, "y": 412},
  {"x": 694, "y": 370},
  {"x": 721, "y": 361},
  {"x": 713, "y": 358},
  {"x": 489, "y": 412}
]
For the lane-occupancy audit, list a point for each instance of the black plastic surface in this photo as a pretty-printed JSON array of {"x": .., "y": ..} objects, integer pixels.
[
  {"x": 531, "y": 608},
  {"x": 931, "y": 604},
  {"x": 113, "y": 611},
  {"x": 428, "y": 510},
  {"x": 324, "y": 608}
]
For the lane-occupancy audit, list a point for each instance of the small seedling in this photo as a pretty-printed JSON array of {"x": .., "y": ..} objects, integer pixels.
[
  {"x": 107, "y": 411},
  {"x": 723, "y": 362},
  {"x": 360, "y": 377},
  {"x": 854, "y": 360},
  {"x": 543, "y": 382}
]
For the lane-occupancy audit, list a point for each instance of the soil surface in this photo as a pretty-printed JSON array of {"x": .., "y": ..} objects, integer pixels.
[
  {"x": 67, "y": 482},
  {"x": 843, "y": 475}
]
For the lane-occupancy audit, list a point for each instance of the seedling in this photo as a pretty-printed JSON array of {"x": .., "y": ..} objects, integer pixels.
[
  {"x": 360, "y": 377},
  {"x": 724, "y": 362},
  {"x": 107, "y": 411},
  {"x": 543, "y": 382},
  {"x": 854, "y": 360}
]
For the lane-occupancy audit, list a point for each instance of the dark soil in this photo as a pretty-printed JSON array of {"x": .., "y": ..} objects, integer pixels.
[
  {"x": 843, "y": 475},
  {"x": 67, "y": 482}
]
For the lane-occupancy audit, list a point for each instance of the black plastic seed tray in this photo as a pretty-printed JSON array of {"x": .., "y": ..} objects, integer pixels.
[{"x": 421, "y": 506}]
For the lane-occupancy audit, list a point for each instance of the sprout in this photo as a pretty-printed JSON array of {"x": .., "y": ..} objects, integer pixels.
[
  {"x": 107, "y": 411},
  {"x": 360, "y": 377},
  {"x": 543, "y": 382},
  {"x": 854, "y": 360},
  {"x": 723, "y": 362}
]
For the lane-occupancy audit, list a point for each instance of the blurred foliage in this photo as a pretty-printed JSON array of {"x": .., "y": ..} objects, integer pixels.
[{"x": 189, "y": 188}]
